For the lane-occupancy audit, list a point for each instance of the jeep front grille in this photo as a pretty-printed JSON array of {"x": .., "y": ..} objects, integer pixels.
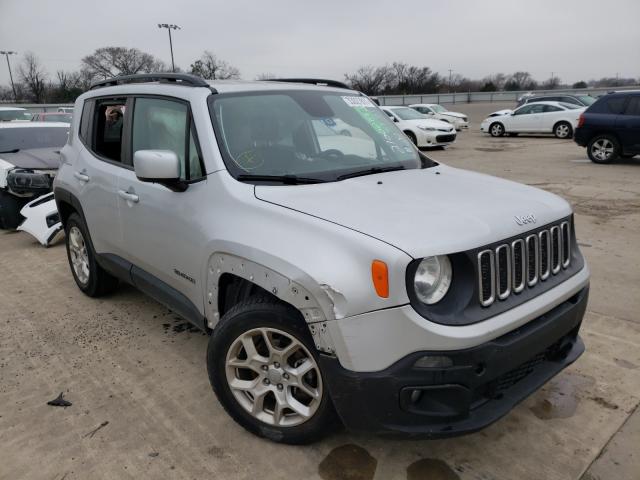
[{"x": 509, "y": 268}]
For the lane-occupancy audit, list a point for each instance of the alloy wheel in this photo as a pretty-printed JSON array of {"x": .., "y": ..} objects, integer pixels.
[
  {"x": 79, "y": 255},
  {"x": 274, "y": 377},
  {"x": 562, "y": 130},
  {"x": 602, "y": 149}
]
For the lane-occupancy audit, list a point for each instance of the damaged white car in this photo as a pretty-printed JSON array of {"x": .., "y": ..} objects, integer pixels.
[{"x": 29, "y": 160}]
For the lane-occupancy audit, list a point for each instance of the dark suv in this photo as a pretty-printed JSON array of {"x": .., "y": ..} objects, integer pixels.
[
  {"x": 610, "y": 128},
  {"x": 579, "y": 100}
]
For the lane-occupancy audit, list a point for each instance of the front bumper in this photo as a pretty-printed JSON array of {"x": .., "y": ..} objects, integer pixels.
[
  {"x": 436, "y": 138},
  {"x": 483, "y": 384}
]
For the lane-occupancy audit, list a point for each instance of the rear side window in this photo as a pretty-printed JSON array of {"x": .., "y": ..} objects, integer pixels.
[
  {"x": 552, "y": 108},
  {"x": 615, "y": 105},
  {"x": 633, "y": 108},
  {"x": 85, "y": 121},
  {"x": 160, "y": 124}
]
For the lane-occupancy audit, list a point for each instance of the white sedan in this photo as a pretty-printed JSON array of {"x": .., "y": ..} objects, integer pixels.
[
  {"x": 558, "y": 118},
  {"x": 422, "y": 130},
  {"x": 438, "y": 112}
]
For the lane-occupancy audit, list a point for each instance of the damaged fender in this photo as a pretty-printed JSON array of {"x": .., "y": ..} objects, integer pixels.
[{"x": 42, "y": 219}]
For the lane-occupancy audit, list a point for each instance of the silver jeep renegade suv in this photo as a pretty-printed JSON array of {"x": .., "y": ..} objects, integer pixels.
[{"x": 342, "y": 275}]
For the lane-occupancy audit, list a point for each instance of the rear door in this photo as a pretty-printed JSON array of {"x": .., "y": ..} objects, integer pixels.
[
  {"x": 96, "y": 172},
  {"x": 628, "y": 125},
  {"x": 525, "y": 119},
  {"x": 549, "y": 117}
]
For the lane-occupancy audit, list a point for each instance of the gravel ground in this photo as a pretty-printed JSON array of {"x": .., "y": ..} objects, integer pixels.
[{"x": 143, "y": 407}]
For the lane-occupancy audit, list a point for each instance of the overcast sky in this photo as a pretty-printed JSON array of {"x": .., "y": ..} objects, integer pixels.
[{"x": 576, "y": 39}]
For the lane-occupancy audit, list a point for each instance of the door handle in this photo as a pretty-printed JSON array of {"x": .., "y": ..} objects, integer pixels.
[
  {"x": 81, "y": 176},
  {"x": 129, "y": 197}
]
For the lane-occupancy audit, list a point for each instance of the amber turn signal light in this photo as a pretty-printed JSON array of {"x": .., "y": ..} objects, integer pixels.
[{"x": 380, "y": 277}]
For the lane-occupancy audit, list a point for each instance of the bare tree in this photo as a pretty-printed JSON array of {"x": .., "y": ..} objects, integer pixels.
[
  {"x": 551, "y": 83},
  {"x": 370, "y": 80},
  {"x": 34, "y": 77},
  {"x": 520, "y": 81},
  {"x": 210, "y": 67},
  {"x": 107, "y": 62}
]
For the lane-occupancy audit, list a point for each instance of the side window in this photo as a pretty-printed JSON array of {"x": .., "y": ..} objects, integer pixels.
[
  {"x": 108, "y": 120},
  {"x": 633, "y": 108},
  {"x": 524, "y": 110},
  {"x": 537, "y": 108},
  {"x": 552, "y": 108},
  {"x": 160, "y": 124},
  {"x": 616, "y": 105},
  {"x": 570, "y": 100}
]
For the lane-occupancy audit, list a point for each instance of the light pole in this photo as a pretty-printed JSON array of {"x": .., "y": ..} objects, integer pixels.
[
  {"x": 170, "y": 27},
  {"x": 6, "y": 53}
]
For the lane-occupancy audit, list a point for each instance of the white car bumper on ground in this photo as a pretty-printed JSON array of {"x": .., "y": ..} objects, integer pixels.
[{"x": 42, "y": 219}]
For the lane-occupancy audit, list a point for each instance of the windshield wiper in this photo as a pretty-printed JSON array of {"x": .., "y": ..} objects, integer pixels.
[
  {"x": 369, "y": 171},
  {"x": 285, "y": 179},
  {"x": 15, "y": 150}
]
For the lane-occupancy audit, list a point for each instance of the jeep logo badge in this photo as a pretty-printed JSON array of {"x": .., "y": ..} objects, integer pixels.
[{"x": 524, "y": 219}]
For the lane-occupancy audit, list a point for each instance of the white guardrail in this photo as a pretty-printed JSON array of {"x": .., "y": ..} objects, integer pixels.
[
  {"x": 38, "y": 107},
  {"x": 473, "y": 97},
  {"x": 458, "y": 97}
]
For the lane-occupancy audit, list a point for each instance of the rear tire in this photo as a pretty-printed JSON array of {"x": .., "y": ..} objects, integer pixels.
[
  {"x": 496, "y": 129},
  {"x": 603, "y": 149},
  {"x": 90, "y": 277},
  {"x": 563, "y": 130},
  {"x": 259, "y": 390}
]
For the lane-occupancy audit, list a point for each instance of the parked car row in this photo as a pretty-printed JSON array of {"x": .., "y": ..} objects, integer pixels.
[
  {"x": 609, "y": 126},
  {"x": 17, "y": 114}
]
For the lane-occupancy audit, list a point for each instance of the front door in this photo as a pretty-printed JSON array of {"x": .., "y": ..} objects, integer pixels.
[{"x": 159, "y": 226}]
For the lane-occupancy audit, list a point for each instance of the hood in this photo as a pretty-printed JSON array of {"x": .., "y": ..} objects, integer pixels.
[
  {"x": 424, "y": 212},
  {"x": 453, "y": 114},
  {"x": 499, "y": 113},
  {"x": 35, "y": 158},
  {"x": 430, "y": 123}
]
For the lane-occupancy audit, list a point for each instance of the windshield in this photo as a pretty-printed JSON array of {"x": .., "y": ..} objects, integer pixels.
[
  {"x": 438, "y": 108},
  {"x": 407, "y": 113},
  {"x": 317, "y": 135},
  {"x": 33, "y": 137},
  {"x": 9, "y": 115},
  {"x": 586, "y": 99}
]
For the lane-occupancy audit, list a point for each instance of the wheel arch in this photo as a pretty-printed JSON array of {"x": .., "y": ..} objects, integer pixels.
[{"x": 232, "y": 277}]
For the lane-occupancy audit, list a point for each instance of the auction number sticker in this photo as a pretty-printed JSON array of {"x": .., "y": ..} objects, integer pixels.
[{"x": 358, "y": 102}]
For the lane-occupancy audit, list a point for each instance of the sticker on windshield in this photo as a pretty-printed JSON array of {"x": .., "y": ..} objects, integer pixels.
[{"x": 358, "y": 102}]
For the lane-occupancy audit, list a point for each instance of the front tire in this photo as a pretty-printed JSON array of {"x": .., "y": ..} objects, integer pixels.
[
  {"x": 603, "y": 149},
  {"x": 264, "y": 368},
  {"x": 496, "y": 129},
  {"x": 90, "y": 277},
  {"x": 412, "y": 137},
  {"x": 563, "y": 130}
]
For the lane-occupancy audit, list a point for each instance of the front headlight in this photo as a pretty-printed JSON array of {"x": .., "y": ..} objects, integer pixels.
[
  {"x": 427, "y": 129},
  {"x": 20, "y": 180},
  {"x": 432, "y": 279}
]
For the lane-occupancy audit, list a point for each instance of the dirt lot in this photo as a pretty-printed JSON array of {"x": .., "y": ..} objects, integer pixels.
[{"x": 128, "y": 361}]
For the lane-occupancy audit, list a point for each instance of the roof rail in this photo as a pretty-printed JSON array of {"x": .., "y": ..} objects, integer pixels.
[
  {"x": 177, "y": 78},
  {"x": 312, "y": 81}
]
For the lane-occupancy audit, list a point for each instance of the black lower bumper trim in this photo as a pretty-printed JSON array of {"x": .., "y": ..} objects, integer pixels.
[{"x": 480, "y": 385}]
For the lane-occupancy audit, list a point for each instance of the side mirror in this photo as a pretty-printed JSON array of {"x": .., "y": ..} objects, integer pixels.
[{"x": 159, "y": 166}]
